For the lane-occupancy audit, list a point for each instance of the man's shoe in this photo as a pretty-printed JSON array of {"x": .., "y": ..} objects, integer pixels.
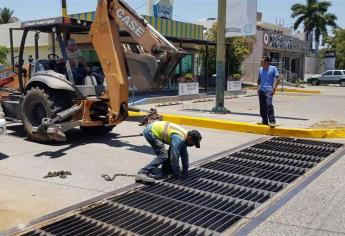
[
  {"x": 273, "y": 125},
  {"x": 262, "y": 123},
  {"x": 144, "y": 179}
]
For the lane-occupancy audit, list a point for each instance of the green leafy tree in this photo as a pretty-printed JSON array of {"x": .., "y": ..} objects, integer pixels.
[
  {"x": 315, "y": 19},
  {"x": 337, "y": 43},
  {"x": 240, "y": 48},
  {"x": 6, "y": 16},
  {"x": 3, "y": 53}
]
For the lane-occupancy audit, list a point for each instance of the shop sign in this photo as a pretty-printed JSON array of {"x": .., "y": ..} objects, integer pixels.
[
  {"x": 330, "y": 54},
  {"x": 287, "y": 43},
  {"x": 163, "y": 9},
  {"x": 241, "y": 17},
  {"x": 234, "y": 86},
  {"x": 188, "y": 88}
]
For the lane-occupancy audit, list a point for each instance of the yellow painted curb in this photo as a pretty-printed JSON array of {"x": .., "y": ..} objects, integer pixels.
[
  {"x": 136, "y": 114},
  {"x": 286, "y": 90},
  {"x": 250, "y": 128}
]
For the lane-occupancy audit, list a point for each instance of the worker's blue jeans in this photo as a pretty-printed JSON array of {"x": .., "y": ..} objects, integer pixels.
[
  {"x": 158, "y": 147},
  {"x": 266, "y": 107}
]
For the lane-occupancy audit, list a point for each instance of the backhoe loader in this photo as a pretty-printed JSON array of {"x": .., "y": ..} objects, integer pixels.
[{"x": 49, "y": 102}]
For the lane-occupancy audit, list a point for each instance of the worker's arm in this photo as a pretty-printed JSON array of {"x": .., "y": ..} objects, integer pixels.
[
  {"x": 185, "y": 160},
  {"x": 177, "y": 149}
]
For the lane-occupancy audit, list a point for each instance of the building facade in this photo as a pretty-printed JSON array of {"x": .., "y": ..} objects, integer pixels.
[
  {"x": 181, "y": 34},
  {"x": 286, "y": 52}
]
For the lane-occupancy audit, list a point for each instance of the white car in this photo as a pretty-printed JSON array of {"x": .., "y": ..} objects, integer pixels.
[{"x": 329, "y": 77}]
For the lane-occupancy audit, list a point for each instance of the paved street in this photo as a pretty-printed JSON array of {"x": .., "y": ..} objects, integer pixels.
[
  {"x": 23, "y": 164},
  {"x": 314, "y": 210}
]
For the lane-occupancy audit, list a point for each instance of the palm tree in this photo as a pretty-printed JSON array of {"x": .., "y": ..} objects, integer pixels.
[
  {"x": 6, "y": 16},
  {"x": 315, "y": 19}
]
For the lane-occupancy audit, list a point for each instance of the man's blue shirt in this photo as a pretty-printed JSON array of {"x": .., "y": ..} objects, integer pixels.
[{"x": 267, "y": 77}]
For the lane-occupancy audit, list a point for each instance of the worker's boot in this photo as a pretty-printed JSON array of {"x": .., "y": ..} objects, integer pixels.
[{"x": 144, "y": 179}]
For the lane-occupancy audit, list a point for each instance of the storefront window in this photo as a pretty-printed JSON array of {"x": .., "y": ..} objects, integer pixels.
[
  {"x": 187, "y": 65},
  {"x": 90, "y": 56}
]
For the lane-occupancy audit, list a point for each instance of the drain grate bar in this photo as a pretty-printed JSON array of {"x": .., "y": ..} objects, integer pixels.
[
  {"x": 259, "y": 164},
  {"x": 217, "y": 194},
  {"x": 252, "y": 171},
  {"x": 285, "y": 155},
  {"x": 241, "y": 180},
  {"x": 276, "y": 160},
  {"x": 292, "y": 149}
]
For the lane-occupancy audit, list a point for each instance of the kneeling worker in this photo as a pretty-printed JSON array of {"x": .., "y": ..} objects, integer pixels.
[{"x": 159, "y": 133}]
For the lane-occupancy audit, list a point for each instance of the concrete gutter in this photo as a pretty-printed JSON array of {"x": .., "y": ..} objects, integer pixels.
[
  {"x": 165, "y": 99},
  {"x": 290, "y": 90},
  {"x": 250, "y": 128}
]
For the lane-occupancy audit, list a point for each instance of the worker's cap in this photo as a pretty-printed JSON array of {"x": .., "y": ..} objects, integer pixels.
[
  {"x": 71, "y": 42},
  {"x": 196, "y": 137}
]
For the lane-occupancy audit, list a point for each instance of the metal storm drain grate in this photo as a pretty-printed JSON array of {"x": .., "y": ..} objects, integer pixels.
[{"x": 217, "y": 194}]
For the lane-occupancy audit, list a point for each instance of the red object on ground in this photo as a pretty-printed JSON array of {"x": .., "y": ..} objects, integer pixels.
[{"x": 6, "y": 75}]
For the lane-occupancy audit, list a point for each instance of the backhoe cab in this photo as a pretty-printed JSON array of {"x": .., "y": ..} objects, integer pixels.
[{"x": 52, "y": 98}]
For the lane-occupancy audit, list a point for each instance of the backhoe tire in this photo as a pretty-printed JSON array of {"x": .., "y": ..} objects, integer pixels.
[
  {"x": 39, "y": 103},
  {"x": 36, "y": 106},
  {"x": 97, "y": 130}
]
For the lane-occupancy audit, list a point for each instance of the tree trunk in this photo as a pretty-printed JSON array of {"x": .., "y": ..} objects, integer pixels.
[
  {"x": 317, "y": 43},
  {"x": 309, "y": 38}
]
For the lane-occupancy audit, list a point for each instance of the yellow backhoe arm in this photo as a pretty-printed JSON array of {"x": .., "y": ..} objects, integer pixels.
[{"x": 148, "y": 69}]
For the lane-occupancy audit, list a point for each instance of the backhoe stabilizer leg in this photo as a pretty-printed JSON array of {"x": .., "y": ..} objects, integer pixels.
[{"x": 56, "y": 132}]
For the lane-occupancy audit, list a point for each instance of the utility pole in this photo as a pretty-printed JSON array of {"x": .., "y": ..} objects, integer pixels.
[
  {"x": 64, "y": 8},
  {"x": 220, "y": 67},
  {"x": 149, "y": 7}
]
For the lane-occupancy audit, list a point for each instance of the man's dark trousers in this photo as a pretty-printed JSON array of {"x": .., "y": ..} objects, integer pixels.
[{"x": 266, "y": 107}]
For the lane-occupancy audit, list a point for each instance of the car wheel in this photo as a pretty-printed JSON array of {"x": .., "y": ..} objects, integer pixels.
[
  {"x": 315, "y": 82},
  {"x": 342, "y": 83}
]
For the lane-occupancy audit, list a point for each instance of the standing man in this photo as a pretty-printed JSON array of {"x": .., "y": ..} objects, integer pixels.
[
  {"x": 268, "y": 81},
  {"x": 159, "y": 133}
]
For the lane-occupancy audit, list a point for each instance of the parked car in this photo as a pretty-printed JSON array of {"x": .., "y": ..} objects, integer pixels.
[{"x": 329, "y": 77}]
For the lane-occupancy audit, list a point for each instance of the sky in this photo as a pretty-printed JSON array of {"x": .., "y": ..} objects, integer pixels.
[{"x": 184, "y": 10}]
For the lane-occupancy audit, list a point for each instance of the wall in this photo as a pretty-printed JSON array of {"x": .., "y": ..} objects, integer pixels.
[
  {"x": 17, "y": 37},
  {"x": 314, "y": 65},
  {"x": 252, "y": 63}
]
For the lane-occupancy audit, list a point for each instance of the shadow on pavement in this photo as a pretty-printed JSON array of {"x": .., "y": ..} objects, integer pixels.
[
  {"x": 279, "y": 117},
  {"x": 3, "y": 156},
  {"x": 76, "y": 138},
  {"x": 249, "y": 114},
  {"x": 16, "y": 129}
]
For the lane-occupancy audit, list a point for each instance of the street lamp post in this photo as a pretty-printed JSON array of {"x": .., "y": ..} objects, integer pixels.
[
  {"x": 220, "y": 67},
  {"x": 64, "y": 8}
]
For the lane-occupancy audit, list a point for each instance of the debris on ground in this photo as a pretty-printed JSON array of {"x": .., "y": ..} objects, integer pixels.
[
  {"x": 328, "y": 124},
  {"x": 151, "y": 116},
  {"x": 62, "y": 174},
  {"x": 168, "y": 104},
  {"x": 108, "y": 178}
]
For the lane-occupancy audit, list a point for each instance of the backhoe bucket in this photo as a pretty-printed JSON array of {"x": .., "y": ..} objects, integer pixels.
[
  {"x": 142, "y": 69},
  {"x": 148, "y": 73}
]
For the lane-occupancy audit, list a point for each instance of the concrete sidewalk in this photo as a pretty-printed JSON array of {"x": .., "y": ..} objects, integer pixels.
[{"x": 325, "y": 110}]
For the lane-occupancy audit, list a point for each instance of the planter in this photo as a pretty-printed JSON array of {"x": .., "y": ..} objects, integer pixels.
[
  {"x": 188, "y": 88},
  {"x": 234, "y": 85}
]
